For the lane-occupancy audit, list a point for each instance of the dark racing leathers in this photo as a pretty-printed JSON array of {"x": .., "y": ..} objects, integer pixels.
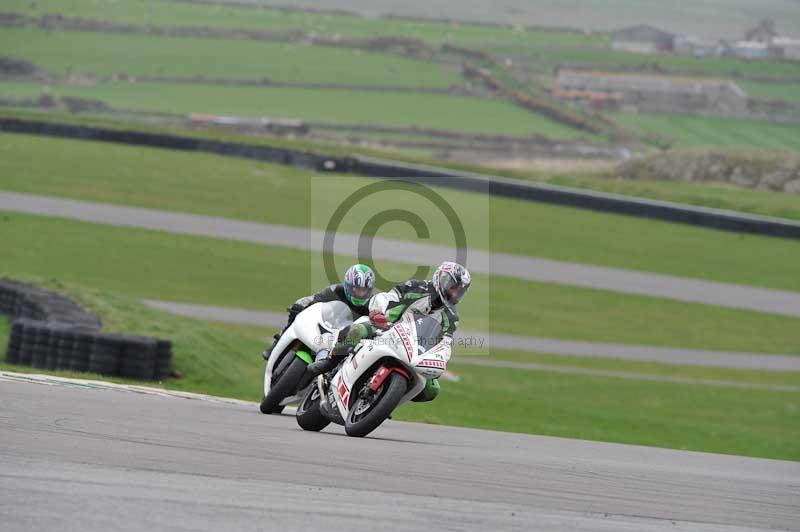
[
  {"x": 334, "y": 292},
  {"x": 415, "y": 295},
  {"x": 420, "y": 296}
]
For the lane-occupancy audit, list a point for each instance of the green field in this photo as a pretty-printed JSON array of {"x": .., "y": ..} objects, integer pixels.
[
  {"x": 685, "y": 416},
  {"x": 542, "y": 49},
  {"x": 788, "y": 92},
  {"x": 78, "y": 52},
  {"x": 179, "y": 181},
  {"x": 536, "y": 49},
  {"x": 151, "y": 264},
  {"x": 461, "y": 113},
  {"x": 177, "y": 14},
  {"x": 711, "y": 131}
]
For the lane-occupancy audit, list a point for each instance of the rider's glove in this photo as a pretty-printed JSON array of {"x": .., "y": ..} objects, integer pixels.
[{"x": 378, "y": 318}]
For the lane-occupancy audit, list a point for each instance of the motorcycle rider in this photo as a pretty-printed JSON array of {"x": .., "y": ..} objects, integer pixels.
[
  {"x": 437, "y": 297},
  {"x": 355, "y": 291}
]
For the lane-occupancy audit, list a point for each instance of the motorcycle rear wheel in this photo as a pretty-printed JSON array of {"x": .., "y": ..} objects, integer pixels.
[{"x": 366, "y": 415}]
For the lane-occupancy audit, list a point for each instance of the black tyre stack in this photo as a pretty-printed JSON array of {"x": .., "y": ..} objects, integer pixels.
[
  {"x": 84, "y": 342},
  {"x": 163, "y": 367},
  {"x": 65, "y": 350},
  {"x": 104, "y": 359},
  {"x": 138, "y": 358},
  {"x": 52, "y": 332},
  {"x": 8, "y": 302},
  {"x": 28, "y": 329},
  {"x": 15, "y": 343},
  {"x": 40, "y": 346},
  {"x": 53, "y": 341}
]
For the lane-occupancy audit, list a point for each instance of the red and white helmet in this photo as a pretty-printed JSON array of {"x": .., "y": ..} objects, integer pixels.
[{"x": 451, "y": 282}]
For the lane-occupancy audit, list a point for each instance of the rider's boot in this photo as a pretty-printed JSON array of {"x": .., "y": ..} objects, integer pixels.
[
  {"x": 352, "y": 336},
  {"x": 429, "y": 392},
  {"x": 323, "y": 364},
  {"x": 268, "y": 352}
]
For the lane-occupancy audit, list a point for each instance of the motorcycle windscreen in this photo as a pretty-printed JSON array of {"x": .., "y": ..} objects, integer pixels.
[
  {"x": 429, "y": 331},
  {"x": 336, "y": 315}
]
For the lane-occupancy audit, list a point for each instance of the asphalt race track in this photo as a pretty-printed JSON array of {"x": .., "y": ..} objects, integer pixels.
[
  {"x": 88, "y": 459},
  {"x": 782, "y": 302}
]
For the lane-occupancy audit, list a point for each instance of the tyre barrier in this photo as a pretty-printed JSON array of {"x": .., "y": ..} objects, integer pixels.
[
  {"x": 52, "y": 332},
  {"x": 22, "y": 300}
]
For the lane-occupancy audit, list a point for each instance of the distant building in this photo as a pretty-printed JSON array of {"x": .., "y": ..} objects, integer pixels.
[
  {"x": 694, "y": 46},
  {"x": 651, "y": 93},
  {"x": 788, "y": 47},
  {"x": 765, "y": 32},
  {"x": 751, "y": 50},
  {"x": 643, "y": 39},
  {"x": 763, "y": 42}
]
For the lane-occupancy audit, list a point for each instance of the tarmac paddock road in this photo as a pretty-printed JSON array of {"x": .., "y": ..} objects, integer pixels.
[{"x": 82, "y": 458}]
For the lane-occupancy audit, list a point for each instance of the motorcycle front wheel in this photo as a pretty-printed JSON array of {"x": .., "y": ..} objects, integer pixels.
[
  {"x": 309, "y": 413},
  {"x": 284, "y": 384},
  {"x": 367, "y": 413}
]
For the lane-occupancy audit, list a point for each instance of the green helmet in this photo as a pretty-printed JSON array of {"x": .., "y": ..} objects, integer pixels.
[{"x": 359, "y": 282}]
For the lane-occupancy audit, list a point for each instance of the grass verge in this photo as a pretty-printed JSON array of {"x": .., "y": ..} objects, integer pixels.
[
  {"x": 194, "y": 183},
  {"x": 692, "y": 417},
  {"x": 5, "y": 331},
  {"x": 655, "y": 369},
  {"x": 703, "y": 194},
  {"x": 211, "y": 360}
]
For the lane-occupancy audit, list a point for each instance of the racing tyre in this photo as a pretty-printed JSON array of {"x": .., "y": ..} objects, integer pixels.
[
  {"x": 367, "y": 413},
  {"x": 284, "y": 383},
  {"x": 309, "y": 415}
]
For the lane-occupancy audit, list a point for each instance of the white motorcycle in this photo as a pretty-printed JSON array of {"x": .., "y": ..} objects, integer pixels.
[
  {"x": 380, "y": 374},
  {"x": 314, "y": 329}
]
